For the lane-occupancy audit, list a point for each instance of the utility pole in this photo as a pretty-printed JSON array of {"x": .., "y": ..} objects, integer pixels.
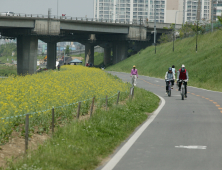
[
  {"x": 184, "y": 8},
  {"x": 212, "y": 9},
  {"x": 198, "y": 18},
  {"x": 155, "y": 24},
  {"x": 173, "y": 37},
  {"x": 57, "y": 9},
  {"x": 198, "y": 10},
  {"x": 196, "y": 36},
  {"x": 140, "y": 27}
]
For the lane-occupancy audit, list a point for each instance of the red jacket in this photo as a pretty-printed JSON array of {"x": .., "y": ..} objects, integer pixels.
[{"x": 183, "y": 75}]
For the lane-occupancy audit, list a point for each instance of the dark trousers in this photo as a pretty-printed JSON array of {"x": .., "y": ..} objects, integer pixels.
[
  {"x": 167, "y": 83},
  {"x": 185, "y": 86}
]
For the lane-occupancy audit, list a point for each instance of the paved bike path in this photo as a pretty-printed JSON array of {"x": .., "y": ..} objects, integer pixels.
[{"x": 185, "y": 135}]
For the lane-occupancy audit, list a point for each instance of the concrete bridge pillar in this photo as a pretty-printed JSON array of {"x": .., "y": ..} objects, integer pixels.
[
  {"x": 27, "y": 47},
  {"x": 107, "y": 55},
  {"x": 119, "y": 51},
  {"x": 51, "y": 55},
  {"x": 89, "y": 53}
]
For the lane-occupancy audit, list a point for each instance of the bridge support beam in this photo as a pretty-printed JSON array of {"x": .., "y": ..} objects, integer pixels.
[
  {"x": 119, "y": 51},
  {"x": 89, "y": 53},
  {"x": 107, "y": 55},
  {"x": 51, "y": 55},
  {"x": 27, "y": 47}
]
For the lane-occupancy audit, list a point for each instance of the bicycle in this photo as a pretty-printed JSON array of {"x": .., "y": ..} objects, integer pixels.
[
  {"x": 182, "y": 91},
  {"x": 169, "y": 87}
]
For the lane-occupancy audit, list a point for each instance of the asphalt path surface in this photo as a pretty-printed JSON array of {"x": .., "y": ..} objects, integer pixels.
[{"x": 185, "y": 135}]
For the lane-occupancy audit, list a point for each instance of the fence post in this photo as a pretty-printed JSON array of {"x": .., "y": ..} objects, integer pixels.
[
  {"x": 53, "y": 119},
  {"x": 106, "y": 102},
  {"x": 92, "y": 107},
  {"x": 133, "y": 93},
  {"x": 26, "y": 132},
  {"x": 118, "y": 98},
  {"x": 79, "y": 106},
  {"x": 130, "y": 93}
]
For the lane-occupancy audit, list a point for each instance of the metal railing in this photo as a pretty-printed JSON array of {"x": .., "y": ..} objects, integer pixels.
[{"x": 69, "y": 18}]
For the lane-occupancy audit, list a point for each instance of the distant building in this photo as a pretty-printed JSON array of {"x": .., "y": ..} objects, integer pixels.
[
  {"x": 218, "y": 9},
  {"x": 134, "y": 10},
  {"x": 167, "y": 11}
]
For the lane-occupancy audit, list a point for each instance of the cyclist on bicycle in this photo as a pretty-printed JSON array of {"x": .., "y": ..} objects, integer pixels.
[
  {"x": 174, "y": 70},
  {"x": 169, "y": 76},
  {"x": 183, "y": 75}
]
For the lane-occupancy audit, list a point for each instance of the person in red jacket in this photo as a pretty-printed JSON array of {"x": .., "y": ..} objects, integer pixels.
[{"x": 183, "y": 75}]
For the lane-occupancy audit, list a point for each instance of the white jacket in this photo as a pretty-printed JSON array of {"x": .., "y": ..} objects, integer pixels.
[{"x": 169, "y": 76}]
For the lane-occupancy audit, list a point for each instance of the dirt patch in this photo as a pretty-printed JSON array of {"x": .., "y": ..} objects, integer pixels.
[
  {"x": 16, "y": 146},
  {"x": 79, "y": 58}
]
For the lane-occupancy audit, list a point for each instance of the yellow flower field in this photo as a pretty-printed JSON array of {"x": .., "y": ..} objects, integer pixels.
[{"x": 39, "y": 92}]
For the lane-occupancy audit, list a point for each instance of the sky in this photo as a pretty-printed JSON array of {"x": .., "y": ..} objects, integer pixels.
[{"x": 73, "y": 8}]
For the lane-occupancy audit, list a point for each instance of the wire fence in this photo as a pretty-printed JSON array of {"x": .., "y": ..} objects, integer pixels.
[
  {"x": 40, "y": 121},
  {"x": 189, "y": 30}
]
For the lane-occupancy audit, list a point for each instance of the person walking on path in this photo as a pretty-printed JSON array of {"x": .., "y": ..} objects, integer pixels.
[
  {"x": 134, "y": 75},
  {"x": 58, "y": 67}
]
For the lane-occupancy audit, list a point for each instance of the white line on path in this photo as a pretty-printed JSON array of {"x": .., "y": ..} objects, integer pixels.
[
  {"x": 191, "y": 147},
  {"x": 118, "y": 156}
]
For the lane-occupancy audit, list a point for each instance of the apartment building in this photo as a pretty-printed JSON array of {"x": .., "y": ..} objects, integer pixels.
[
  {"x": 217, "y": 9},
  {"x": 167, "y": 11},
  {"x": 134, "y": 10}
]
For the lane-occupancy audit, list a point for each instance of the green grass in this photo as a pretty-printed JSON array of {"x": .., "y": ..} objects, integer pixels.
[
  {"x": 12, "y": 70},
  {"x": 83, "y": 144},
  {"x": 98, "y": 59},
  {"x": 204, "y": 67},
  {"x": 4, "y": 59},
  {"x": 41, "y": 57},
  {"x": 8, "y": 70}
]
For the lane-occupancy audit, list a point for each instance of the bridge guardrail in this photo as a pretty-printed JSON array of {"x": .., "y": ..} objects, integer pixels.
[{"x": 23, "y": 15}]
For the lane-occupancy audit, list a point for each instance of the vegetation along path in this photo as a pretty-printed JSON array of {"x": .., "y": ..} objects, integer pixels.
[{"x": 76, "y": 144}]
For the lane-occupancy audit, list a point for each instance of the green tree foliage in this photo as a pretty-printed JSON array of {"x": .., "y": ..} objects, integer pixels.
[
  {"x": 7, "y": 49},
  {"x": 190, "y": 29},
  {"x": 220, "y": 18},
  {"x": 198, "y": 28},
  {"x": 164, "y": 38},
  {"x": 186, "y": 30},
  {"x": 67, "y": 50}
]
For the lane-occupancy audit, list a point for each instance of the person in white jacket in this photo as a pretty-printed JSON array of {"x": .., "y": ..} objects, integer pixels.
[{"x": 171, "y": 77}]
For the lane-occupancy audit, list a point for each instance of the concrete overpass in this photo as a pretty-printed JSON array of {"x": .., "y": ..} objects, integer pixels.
[{"x": 109, "y": 35}]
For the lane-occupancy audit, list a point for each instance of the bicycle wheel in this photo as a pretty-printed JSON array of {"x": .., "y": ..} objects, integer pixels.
[
  {"x": 169, "y": 90},
  {"x": 182, "y": 92},
  {"x": 169, "y": 93}
]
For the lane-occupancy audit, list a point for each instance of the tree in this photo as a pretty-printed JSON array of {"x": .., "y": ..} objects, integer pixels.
[
  {"x": 7, "y": 49},
  {"x": 164, "y": 38},
  {"x": 220, "y": 18},
  {"x": 67, "y": 50},
  {"x": 198, "y": 28},
  {"x": 185, "y": 30}
]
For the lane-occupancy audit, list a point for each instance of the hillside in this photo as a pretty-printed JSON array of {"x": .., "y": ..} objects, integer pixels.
[{"x": 204, "y": 67}]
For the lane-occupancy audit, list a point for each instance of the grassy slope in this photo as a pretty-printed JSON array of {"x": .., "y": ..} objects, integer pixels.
[
  {"x": 98, "y": 59},
  {"x": 82, "y": 145},
  {"x": 204, "y": 67}
]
